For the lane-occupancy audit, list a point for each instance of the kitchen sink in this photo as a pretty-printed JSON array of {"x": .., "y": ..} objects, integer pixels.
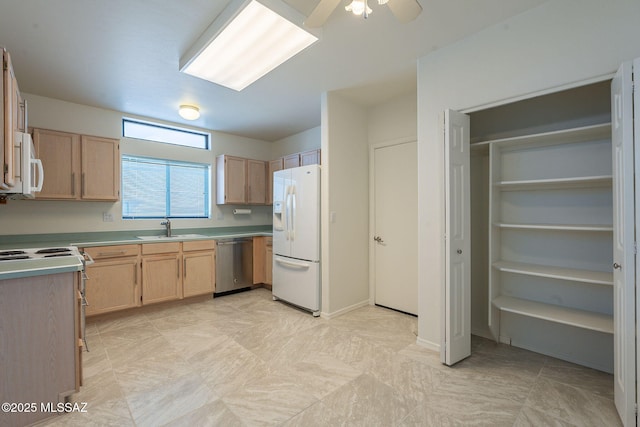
[{"x": 174, "y": 237}]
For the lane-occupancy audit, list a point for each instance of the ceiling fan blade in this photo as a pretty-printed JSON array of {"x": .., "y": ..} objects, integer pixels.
[
  {"x": 321, "y": 13},
  {"x": 405, "y": 10}
]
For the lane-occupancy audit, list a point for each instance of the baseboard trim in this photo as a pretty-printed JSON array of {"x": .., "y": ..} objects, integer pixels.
[
  {"x": 345, "y": 310},
  {"x": 427, "y": 344},
  {"x": 482, "y": 333}
]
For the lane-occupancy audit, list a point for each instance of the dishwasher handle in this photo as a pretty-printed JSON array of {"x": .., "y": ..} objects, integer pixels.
[{"x": 233, "y": 242}]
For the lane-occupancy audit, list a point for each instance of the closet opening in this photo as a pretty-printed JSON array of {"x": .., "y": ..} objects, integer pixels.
[{"x": 541, "y": 225}]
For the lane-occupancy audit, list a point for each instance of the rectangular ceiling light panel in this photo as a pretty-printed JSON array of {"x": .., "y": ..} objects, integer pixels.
[{"x": 243, "y": 44}]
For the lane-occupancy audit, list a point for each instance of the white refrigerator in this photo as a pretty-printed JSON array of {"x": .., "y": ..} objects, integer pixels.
[{"x": 296, "y": 237}]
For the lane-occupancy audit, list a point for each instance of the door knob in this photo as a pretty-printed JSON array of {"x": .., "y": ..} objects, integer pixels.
[{"x": 617, "y": 266}]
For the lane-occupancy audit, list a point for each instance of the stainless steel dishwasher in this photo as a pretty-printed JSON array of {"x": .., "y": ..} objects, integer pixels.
[{"x": 234, "y": 264}]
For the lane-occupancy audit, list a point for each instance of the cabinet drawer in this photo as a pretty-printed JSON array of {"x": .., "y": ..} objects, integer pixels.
[
  {"x": 198, "y": 245},
  {"x": 101, "y": 252},
  {"x": 160, "y": 248}
]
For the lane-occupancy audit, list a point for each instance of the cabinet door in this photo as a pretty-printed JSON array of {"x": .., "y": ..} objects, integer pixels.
[
  {"x": 291, "y": 161},
  {"x": 100, "y": 178},
  {"x": 257, "y": 182},
  {"x": 259, "y": 259},
  {"x": 198, "y": 275},
  {"x": 274, "y": 165},
  {"x": 161, "y": 278},
  {"x": 235, "y": 173},
  {"x": 268, "y": 265},
  {"x": 60, "y": 156},
  {"x": 112, "y": 285},
  {"x": 310, "y": 158}
]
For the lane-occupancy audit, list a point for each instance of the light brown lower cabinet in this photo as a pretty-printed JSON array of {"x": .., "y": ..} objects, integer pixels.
[
  {"x": 113, "y": 281},
  {"x": 128, "y": 276},
  {"x": 268, "y": 265},
  {"x": 262, "y": 260},
  {"x": 198, "y": 267},
  {"x": 161, "y": 272}
]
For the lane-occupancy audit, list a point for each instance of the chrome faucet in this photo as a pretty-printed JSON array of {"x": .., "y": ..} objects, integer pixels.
[{"x": 167, "y": 224}]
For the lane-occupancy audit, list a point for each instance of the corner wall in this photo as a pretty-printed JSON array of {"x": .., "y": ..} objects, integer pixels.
[
  {"x": 345, "y": 205},
  {"x": 559, "y": 44}
]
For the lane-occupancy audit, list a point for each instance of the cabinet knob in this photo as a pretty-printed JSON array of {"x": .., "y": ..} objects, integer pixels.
[
  {"x": 378, "y": 239},
  {"x": 459, "y": 251},
  {"x": 617, "y": 266}
]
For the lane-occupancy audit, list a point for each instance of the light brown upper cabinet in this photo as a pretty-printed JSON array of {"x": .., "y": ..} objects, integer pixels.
[
  {"x": 100, "y": 179},
  {"x": 78, "y": 167},
  {"x": 292, "y": 161},
  {"x": 274, "y": 165},
  {"x": 240, "y": 181},
  {"x": 257, "y": 182},
  {"x": 311, "y": 157}
]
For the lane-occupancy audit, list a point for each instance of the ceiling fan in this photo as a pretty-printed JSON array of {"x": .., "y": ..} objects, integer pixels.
[{"x": 404, "y": 10}]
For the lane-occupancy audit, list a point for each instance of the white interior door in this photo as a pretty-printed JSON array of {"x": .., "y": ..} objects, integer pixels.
[
  {"x": 457, "y": 295},
  {"x": 395, "y": 249},
  {"x": 624, "y": 298}
]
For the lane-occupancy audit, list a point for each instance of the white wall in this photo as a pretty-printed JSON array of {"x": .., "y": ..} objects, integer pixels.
[
  {"x": 37, "y": 217},
  {"x": 558, "y": 44},
  {"x": 393, "y": 120},
  {"x": 303, "y": 141},
  {"x": 345, "y": 196}
]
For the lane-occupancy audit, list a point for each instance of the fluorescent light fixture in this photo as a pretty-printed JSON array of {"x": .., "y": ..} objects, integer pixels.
[
  {"x": 246, "y": 41},
  {"x": 189, "y": 112}
]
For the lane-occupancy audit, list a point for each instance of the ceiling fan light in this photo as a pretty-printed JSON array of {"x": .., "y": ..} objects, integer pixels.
[
  {"x": 189, "y": 112},
  {"x": 358, "y": 7}
]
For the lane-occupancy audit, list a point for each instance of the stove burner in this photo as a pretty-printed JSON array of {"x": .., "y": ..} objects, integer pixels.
[
  {"x": 14, "y": 257},
  {"x": 7, "y": 253},
  {"x": 56, "y": 254},
  {"x": 53, "y": 250}
]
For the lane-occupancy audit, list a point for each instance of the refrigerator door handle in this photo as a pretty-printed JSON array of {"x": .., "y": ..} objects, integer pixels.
[
  {"x": 289, "y": 263},
  {"x": 292, "y": 234},
  {"x": 285, "y": 213}
]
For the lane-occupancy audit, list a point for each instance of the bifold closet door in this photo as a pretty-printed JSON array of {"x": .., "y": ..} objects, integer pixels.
[
  {"x": 457, "y": 302},
  {"x": 623, "y": 241}
]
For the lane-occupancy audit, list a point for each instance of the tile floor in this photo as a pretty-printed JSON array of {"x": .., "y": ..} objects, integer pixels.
[{"x": 245, "y": 360}]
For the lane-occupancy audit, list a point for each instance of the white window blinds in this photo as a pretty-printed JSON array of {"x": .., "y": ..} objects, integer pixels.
[{"x": 158, "y": 188}]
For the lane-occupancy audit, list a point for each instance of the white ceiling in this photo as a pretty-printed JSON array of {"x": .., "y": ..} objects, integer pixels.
[{"x": 123, "y": 55}]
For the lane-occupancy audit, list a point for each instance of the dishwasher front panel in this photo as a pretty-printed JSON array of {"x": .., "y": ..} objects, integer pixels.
[{"x": 234, "y": 264}]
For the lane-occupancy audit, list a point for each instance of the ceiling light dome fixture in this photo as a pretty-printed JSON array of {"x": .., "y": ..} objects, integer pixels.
[{"x": 189, "y": 112}]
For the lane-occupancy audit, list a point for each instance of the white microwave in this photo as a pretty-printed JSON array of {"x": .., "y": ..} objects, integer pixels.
[{"x": 28, "y": 169}]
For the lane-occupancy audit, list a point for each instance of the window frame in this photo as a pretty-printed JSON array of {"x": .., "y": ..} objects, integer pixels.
[
  {"x": 205, "y": 135},
  {"x": 168, "y": 163}
]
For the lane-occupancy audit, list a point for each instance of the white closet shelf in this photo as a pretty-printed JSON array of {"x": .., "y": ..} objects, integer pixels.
[
  {"x": 559, "y": 227},
  {"x": 563, "y": 273},
  {"x": 554, "y": 313},
  {"x": 564, "y": 136},
  {"x": 600, "y": 181}
]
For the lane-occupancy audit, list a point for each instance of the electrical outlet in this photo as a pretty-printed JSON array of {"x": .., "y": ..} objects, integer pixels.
[{"x": 107, "y": 217}]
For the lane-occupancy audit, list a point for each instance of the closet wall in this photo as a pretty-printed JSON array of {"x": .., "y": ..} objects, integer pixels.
[{"x": 542, "y": 225}]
